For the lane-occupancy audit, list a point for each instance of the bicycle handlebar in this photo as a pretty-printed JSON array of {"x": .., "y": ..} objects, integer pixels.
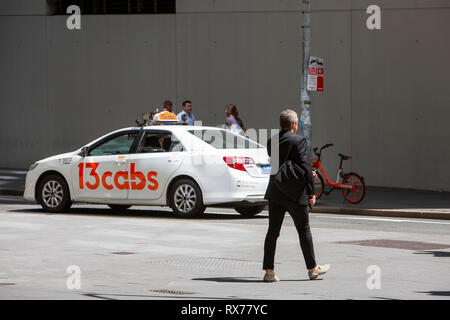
[{"x": 320, "y": 151}]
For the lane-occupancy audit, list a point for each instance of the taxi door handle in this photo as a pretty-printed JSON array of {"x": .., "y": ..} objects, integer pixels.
[
  {"x": 120, "y": 162},
  {"x": 173, "y": 160}
]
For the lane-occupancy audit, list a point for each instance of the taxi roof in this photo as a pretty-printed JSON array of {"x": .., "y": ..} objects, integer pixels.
[{"x": 174, "y": 127}]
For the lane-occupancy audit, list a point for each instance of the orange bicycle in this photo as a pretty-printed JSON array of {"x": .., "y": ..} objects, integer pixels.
[{"x": 351, "y": 184}]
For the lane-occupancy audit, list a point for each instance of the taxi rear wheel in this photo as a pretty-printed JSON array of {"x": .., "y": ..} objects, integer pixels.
[
  {"x": 53, "y": 194},
  {"x": 249, "y": 211},
  {"x": 186, "y": 199},
  {"x": 119, "y": 207}
]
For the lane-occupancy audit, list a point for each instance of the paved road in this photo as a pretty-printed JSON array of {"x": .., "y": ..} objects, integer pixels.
[{"x": 148, "y": 254}]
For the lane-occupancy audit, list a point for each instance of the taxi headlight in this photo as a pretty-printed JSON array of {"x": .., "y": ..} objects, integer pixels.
[{"x": 33, "y": 166}]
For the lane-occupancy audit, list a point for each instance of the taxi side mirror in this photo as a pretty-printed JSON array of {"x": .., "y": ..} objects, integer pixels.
[{"x": 84, "y": 151}]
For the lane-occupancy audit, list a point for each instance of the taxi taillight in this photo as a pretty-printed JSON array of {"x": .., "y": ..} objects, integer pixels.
[{"x": 238, "y": 162}]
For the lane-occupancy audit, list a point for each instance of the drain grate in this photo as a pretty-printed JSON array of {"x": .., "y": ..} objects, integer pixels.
[
  {"x": 166, "y": 291},
  {"x": 210, "y": 263},
  {"x": 397, "y": 244}
]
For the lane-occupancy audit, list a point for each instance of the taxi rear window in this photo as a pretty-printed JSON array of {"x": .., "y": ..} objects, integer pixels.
[
  {"x": 159, "y": 142},
  {"x": 222, "y": 139}
]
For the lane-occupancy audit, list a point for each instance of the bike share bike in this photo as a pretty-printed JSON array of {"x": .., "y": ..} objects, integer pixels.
[{"x": 351, "y": 184}]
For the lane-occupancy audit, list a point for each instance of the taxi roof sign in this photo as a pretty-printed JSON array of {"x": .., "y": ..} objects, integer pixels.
[
  {"x": 165, "y": 116},
  {"x": 155, "y": 118}
]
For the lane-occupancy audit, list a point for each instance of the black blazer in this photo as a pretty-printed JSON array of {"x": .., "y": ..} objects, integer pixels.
[{"x": 298, "y": 154}]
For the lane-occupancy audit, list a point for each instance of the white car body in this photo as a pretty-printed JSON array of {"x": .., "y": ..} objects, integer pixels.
[{"x": 117, "y": 178}]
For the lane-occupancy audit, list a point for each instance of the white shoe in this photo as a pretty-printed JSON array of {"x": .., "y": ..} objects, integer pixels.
[
  {"x": 270, "y": 277},
  {"x": 319, "y": 271}
]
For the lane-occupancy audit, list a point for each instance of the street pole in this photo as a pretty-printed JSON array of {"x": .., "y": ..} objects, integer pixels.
[{"x": 305, "y": 118}]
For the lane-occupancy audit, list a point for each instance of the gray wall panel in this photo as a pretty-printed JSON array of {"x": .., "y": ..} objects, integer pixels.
[
  {"x": 104, "y": 76},
  {"x": 401, "y": 98},
  {"x": 23, "y": 7},
  {"x": 400, "y": 4},
  {"x": 74, "y": 86},
  {"x": 251, "y": 60},
  {"x": 229, "y": 6},
  {"x": 331, "y": 109},
  {"x": 23, "y": 89},
  {"x": 331, "y": 5}
]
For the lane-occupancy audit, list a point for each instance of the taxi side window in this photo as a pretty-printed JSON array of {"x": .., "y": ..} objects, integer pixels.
[
  {"x": 159, "y": 142},
  {"x": 118, "y": 145}
]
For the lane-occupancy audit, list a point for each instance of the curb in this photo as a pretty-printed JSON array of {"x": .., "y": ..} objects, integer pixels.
[
  {"x": 418, "y": 214},
  {"x": 17, "y": 193},
  {"x": 393, "y": 213}
]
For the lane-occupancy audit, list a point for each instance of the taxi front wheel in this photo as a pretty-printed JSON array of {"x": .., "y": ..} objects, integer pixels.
[
  {"x": 53, "y": 194},
  {"x": 186, "y": 199}
]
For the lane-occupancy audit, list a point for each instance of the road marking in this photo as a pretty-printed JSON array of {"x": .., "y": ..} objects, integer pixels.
[
  {"x": 320, "y": 215},
  {"x": 383, "y": 219}
]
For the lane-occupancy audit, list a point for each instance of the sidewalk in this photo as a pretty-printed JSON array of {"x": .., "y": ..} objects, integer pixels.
[
  {"x": 379, "y": 201},
  {"x": 390, "y": 202}
]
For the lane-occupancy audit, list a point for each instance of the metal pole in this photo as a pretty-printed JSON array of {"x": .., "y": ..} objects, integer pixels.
[{"x": 305, "y": 118}]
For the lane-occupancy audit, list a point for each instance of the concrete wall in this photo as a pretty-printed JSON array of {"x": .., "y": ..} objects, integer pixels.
[
  {"x": 386, "y": 93},
  {"x": 23, "y": 7}
]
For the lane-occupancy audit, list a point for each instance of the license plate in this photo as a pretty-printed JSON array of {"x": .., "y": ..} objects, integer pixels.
[{"x": 265, "y": 169}]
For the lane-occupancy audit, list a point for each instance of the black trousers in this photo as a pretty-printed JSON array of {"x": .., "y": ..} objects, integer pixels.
[{"x": 300, "y": 215}]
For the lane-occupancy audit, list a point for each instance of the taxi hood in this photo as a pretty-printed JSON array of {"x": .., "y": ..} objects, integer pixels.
[{"x": 61, "y": 156}]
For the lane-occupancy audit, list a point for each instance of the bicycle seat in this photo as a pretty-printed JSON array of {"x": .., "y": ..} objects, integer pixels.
[{"x": 344, "y": 157}]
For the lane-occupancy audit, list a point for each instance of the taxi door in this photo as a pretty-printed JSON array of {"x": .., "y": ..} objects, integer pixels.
[
  {"x": 158, "y": 155},
  {"x": 103, "y": 173}
]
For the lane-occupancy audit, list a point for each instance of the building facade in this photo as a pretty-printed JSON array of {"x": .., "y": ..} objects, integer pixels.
[{"x": 386, "y": 100}]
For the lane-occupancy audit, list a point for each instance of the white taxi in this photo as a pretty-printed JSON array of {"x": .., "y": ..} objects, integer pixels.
[{"x": 184, "y": 167}]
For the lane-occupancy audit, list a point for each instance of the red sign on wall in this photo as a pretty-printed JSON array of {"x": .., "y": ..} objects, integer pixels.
[{"x": 315, "y": 74}]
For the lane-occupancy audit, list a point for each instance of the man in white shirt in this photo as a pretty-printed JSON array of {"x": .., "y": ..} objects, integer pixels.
[{"x": 186, "y": 116}]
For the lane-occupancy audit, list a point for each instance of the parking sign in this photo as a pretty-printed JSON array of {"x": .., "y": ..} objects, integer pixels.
[{"x": 315, "y": 74}]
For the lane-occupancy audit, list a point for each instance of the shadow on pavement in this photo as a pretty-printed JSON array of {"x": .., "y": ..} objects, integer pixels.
[
  {"x": 435, "y": 253},
  {"x": 436, "y": 293},
  {"x": 231, "y": 279},
  {"x": 243, "y": 279},
  {"x": 133, "y": 213},
  {"x": 106, "y": 296}
]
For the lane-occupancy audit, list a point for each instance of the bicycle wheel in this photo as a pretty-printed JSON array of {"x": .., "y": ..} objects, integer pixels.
[
  {"x": 356, "y": 194},
  {"x": 319, "y": 185}
]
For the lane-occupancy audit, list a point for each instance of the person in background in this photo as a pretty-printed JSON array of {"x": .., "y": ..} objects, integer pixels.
[
  {"x": 233, "y": 117},
  {"x": 186, "y": 116},
  {"x": 167, "y": 106}
]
